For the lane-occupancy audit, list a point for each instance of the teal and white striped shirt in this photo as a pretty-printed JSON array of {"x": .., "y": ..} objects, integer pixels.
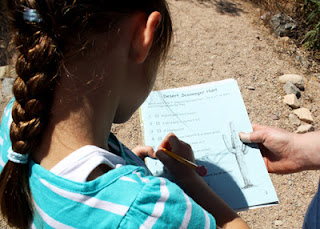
[{"x": 125, "y": 197}]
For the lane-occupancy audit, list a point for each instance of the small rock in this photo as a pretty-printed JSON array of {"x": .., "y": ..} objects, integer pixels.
[
  {"x": 291, "y": 100},
  {"x": 251, "y": 88},
  {"x": 304, "y": 129},
  {"x": 2, "y": 44},
  {"x": 309, "y": 97},
  {"x": 266, "y": 16},
  {"x": 304, "y": 115},
  {"x": 294, "y": 120},
  {"x": 296, "y": 79},
  {"x": 275, "y": 117},
  {"x": 284, "y": 42},
  {"x": 302, "y": 61},
  {"x": 290, "y": 88},
  {"x": 7, "y": 86},
  {"x": 285, "y": 39},
  {"x": 3, "y": 71},
  {"x": 278, "y": 222}
]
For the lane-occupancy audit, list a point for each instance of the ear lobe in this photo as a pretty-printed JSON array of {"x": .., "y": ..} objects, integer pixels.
[{"x": 144, "y": 36}]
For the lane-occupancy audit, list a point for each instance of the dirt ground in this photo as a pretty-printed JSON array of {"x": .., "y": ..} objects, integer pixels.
[{"x": 215, "y": 40}]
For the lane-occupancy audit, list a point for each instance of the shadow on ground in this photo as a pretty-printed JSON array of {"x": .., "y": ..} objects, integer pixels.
[{"x": 224, "y": 7}]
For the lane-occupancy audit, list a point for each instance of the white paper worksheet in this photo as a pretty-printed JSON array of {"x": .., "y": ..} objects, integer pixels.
[{"x": 209, "y": 117}]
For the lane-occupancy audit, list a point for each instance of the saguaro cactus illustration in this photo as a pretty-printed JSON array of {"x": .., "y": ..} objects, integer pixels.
[{"x": 237, "y": 148}]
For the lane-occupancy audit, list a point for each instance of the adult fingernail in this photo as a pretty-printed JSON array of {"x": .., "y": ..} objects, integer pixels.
[{"x": 245, "y": 137}]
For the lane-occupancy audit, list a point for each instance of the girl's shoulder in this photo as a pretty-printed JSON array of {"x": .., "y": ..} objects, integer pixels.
[
  {"x": 125, "y": 197},
  {"x": 160, "y": 202},
  {"x": 114, "y": 195}
]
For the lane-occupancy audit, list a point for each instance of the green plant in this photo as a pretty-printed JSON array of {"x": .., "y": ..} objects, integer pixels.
[{"x": 311, "y": 39}]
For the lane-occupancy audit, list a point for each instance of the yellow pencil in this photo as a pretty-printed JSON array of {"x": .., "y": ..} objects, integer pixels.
[{"x": 200, "y": 169}]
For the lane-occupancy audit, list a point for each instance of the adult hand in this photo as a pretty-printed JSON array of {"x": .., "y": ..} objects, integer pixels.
[{"x": 278, "y": 148}]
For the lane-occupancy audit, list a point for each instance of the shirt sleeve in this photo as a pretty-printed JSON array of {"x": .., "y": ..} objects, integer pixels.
[
  {"x": 312, "y": 217},
  {"x": 5, "y": 142},
  {"x": 162, "y": 203}
]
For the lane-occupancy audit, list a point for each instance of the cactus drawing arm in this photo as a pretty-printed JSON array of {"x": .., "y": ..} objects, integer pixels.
[
  {"x": 244, "y": 149},
  {"x": 227, "y": 144},
  {"x": 237, "y": 148}
]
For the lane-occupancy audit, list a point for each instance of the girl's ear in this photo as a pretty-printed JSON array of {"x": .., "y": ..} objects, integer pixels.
[{"x": 143, "y": 36}]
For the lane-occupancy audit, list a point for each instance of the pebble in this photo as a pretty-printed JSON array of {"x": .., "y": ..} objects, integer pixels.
[
  {"x": 304, "y": 114},
  {"x": 278, "y": 222},
  {"x": 265, "y": 16},
  {"x": 304, "y": 129},
  {"x": 2, "y": 44},
  {"x": 290, "y": 88},
  {"x": 285, "y": 40},
  {"x": 251, "y": 88},
  {"x": 296, "y": 79},
  {"x": 7, "y": 86},
  {"x": 7, "y": 71},
  {"x": 294, "y": 120},
  {"x": 275, "y": 117},
  {"x": 3, "y": 71},
  {"x": 291, "y": 100}
]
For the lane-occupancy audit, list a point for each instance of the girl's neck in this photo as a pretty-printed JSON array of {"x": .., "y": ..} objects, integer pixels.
[{"x": 77, "y": 119}]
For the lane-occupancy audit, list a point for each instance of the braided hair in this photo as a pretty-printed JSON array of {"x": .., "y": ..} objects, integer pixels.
[{"x": 43, "y": 44}]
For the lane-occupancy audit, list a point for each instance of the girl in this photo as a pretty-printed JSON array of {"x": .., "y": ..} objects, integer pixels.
[{"x": 83, "y": 65}]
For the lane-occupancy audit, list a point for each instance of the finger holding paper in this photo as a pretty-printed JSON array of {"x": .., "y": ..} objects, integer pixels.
[{"x": 277, "y": 147}]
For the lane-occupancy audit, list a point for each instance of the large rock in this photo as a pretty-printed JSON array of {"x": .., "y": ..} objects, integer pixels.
[
  {"x": 290, "y": 88},
  {"x": 291, "y": 100},
  {"x": 283, "y": 25},
  {"x": 296, "y": 79},
  {"x": 304, "y": 115}
]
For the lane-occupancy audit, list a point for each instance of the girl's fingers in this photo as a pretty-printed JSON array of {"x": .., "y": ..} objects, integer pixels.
[
  {"x": 144, "y": 151},
  {"x": 167, "y": 141}
]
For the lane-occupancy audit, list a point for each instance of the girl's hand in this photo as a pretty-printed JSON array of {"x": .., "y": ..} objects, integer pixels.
[
  {"x": 194, "y": 185},
  {"x": 177, "y": 169},
  {"x": 144, "y": 151},
  {"x": 277, "y": 148}
]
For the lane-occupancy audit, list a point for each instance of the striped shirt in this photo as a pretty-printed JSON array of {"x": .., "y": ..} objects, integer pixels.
[{"x": 125, "y": 197}]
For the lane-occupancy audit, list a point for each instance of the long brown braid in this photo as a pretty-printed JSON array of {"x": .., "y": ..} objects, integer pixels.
[
  {"x": 37, "y": 70},
  {"x": 42, "y": 48}
]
